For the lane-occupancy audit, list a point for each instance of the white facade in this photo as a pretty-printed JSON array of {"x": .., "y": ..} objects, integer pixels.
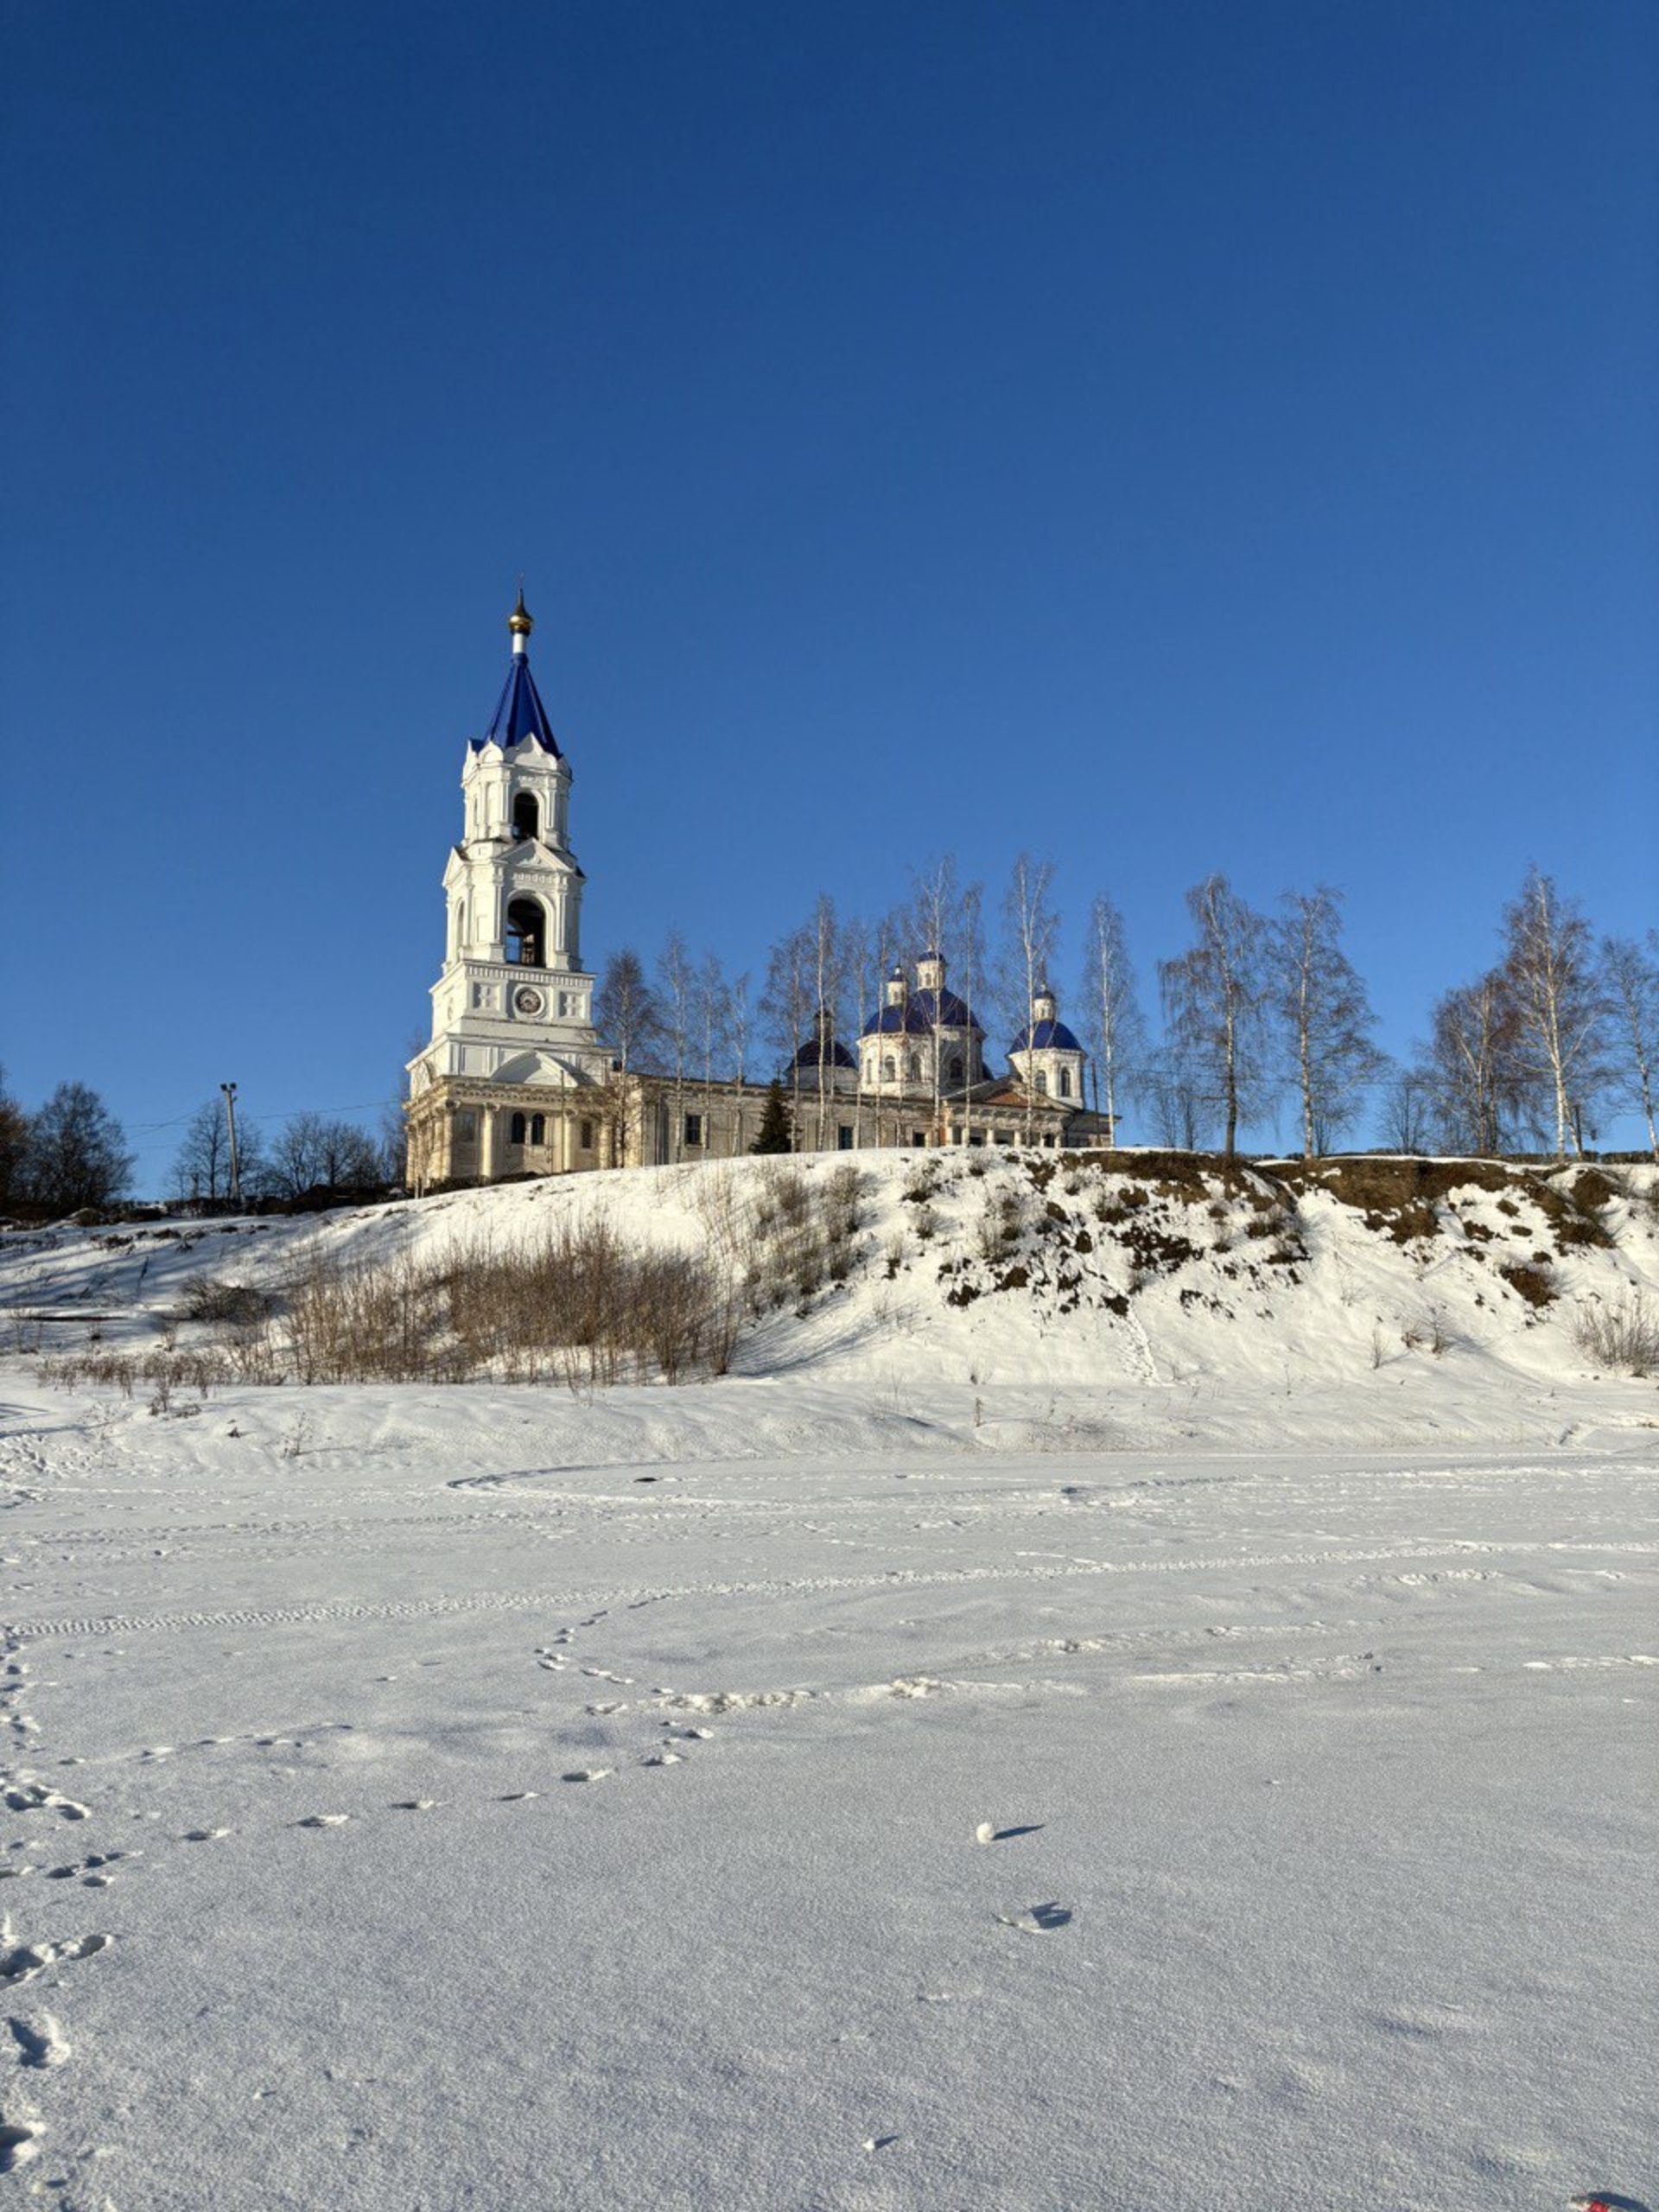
[{"x": 1046, "y": 1058}]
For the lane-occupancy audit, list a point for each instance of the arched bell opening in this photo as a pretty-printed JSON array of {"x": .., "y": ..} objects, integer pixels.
[
  {"x": 526, "y": 817},
  {"x": 526, "y": 933}
]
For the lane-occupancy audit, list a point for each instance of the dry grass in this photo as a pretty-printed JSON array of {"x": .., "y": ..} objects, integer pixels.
[
  {"x": 574, "y": 1306},
  {"x": 1623, "y": 1334}
]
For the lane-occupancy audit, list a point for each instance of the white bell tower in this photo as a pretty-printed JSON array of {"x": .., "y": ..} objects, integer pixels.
[{"x": 513, "y": 1004}]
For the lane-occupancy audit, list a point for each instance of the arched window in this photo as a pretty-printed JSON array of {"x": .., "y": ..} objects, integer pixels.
[
  {"x": 526, "y": 933},
  {"x": 1042, "y": 1081},
  {"x": 526, "y": 817},
  {"x": 538, "y": 1128},
  {"x": 914, "y": 1067},
  {"x": 1065, "y": 1083},
  {"x": 516, "y": 1129},
  {"x": 953, "y": 1072},
  {"x": 888, "y": 1070}
]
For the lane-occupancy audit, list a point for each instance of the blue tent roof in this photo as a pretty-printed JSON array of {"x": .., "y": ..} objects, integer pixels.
[
  {"x": 918, "y": 1017},
  {"x": 1046, "y": 1037},
  {"x": 519, "y": 712}
]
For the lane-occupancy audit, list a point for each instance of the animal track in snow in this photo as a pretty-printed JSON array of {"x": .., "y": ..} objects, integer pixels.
[
  {"x": 19, "y": 2142},
  {"x": 87, "y": 1868},
  {"x": 203, "y": 1835},
  {"x": 586, "y": 1774},
  {"x": 44, "y": 2044},
  {"x": 1038, "y": 1919},
  {"x": 20, "y": 1962},
  {"x": 323, "y": 1821},
  {"x": 37, "y": 1797}
]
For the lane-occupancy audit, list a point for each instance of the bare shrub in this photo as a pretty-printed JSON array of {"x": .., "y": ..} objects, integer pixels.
[
  {"x": 791, "y": 1195},
  {"x": 164, "y": 1371},
  {"x": 1623, "y": 1333},
  {"x": 1428, "y": 1336},
  {"x": 575, "y": 1302},
  {"x": 1000, "y": 1224},
  {"x": 226, "y": 1305}
]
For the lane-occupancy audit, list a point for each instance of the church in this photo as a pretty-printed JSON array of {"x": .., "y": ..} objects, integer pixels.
[{"x": 518, "y": 1081}]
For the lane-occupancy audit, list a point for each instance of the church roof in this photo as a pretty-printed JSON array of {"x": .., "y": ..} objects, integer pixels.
[
  {"x": 519, "y": 712},
  {"x": 919, "y": 1015},
  {"x": 1046, "y": 1037},
  {"x": 818, "y": 1051}
]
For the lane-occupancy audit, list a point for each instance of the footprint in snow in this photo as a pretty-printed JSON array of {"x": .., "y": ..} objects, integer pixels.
[
  {"x": 524, "y": 1797},
  {"x": 1038, "y": 1919},
  {"x": 662, "y": 1758},
  {"x": 22, "y": 1961},
  {"x": 19, "y": 2142},
  {"x": 415, "y": 1804},
  {"x": 35, "y": 1797},
  {"x": 586, "y": 1774},
  {"x": 323, "y": 1821},
  {"x": 203, "y": 1835},
  {"x": 39, "y": 2044}
]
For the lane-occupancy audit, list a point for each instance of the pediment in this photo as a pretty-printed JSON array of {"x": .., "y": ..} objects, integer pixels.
[
  {"x": 528, "y": 860},
  {"x": 540, "y": 1067}
]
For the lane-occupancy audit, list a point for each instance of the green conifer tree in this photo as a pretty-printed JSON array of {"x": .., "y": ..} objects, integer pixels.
[{"x": 775, "y": 1133}]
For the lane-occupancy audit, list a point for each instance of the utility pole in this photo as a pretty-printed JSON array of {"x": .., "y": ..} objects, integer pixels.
[{"x": 229, "y": 1090}]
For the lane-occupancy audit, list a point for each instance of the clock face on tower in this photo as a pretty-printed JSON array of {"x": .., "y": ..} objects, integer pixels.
[{"x": 527, "y": 1002}]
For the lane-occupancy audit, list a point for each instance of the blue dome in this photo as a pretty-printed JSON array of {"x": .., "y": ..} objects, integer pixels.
[
  {"x": 816, "y": 1052},
  {"x": 519, "y": 712},
  {"x": 1046, "y": 1037},
  {"x": 916, "y": 1017}
]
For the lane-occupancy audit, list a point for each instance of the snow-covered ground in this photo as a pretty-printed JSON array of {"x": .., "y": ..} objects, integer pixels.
[{"x": 975, "y": 1756}]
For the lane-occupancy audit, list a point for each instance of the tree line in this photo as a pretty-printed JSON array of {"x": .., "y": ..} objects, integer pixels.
[
  {"x": 1259, "y": 1012},
  {"x": 71, "y": 1153}
]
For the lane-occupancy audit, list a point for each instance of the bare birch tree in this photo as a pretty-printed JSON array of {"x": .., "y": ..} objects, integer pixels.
[
  {"x": 627, "y": 1012},
  {"x": 857, "y": 950},
  {"x": 1182, "y": 1098},
  {"x": 739, "y": 1018},
  {"x": 1551, "y": 973},
  {"x": 1215, "y": 995},
  {"x": 675, "y": 977},
  {"x": 1327, "y": 1019},
  {"x": 829, "y": 991},
  {"x": 1471, "y": 1061},
  {"x": 710, "y": 1001},
  {"x": 1632, "y": 971},
  {"x": 1032, "y": 934},
  {"x": 1113, "y": 1021},
  {"x": 1407, "y": 1116},
  {"x": 944, "y": 916},
  {"x": 787, "y": 1007}
]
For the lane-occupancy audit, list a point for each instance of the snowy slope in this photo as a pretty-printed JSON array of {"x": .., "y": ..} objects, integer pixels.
[{"x": 533, "y": 1796}]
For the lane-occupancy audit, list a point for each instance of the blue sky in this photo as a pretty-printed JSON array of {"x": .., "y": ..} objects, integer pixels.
[{"x": 1167, "y": 438}]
